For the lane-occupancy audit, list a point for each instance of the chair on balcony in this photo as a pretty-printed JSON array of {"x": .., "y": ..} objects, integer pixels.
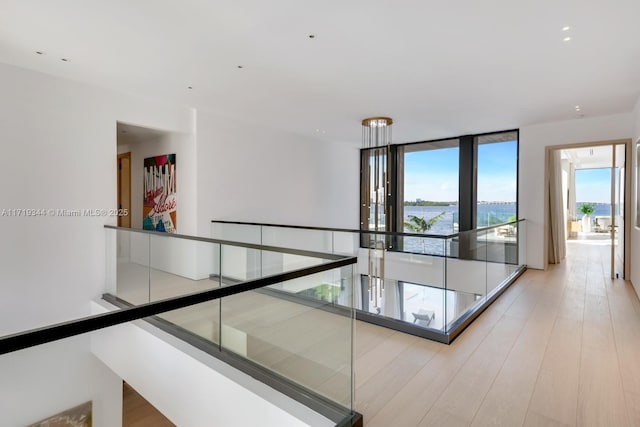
[
  {"x": 603, "y": 224},
  {"x": 425, "y": 316}
]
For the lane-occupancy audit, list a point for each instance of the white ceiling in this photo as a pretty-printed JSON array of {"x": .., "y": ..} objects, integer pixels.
[
  {"x": 599, "y": 156},
  {"x": 437, "y": 68},
  {"x": 596, "y": 156}
]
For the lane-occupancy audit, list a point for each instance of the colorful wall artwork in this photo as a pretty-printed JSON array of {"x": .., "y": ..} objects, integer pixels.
[
  {"x": 159, "y": 206},
  {"x": 80, "y": 416}
]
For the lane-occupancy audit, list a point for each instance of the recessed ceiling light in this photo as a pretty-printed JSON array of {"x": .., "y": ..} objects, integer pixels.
[
  {"x": 566, "y": 39},
  {"x": 577, "y": 108},
  {"x": 312, "y": 36},
  {"x": 189, "y": 87},
  {"x": 39, "y": 52},
  {"x": 64, "y": 59},
  {"x": 317, "y": 130},
  {"x": 240, "y": 66},
  {"x": 567, "y": 28}
]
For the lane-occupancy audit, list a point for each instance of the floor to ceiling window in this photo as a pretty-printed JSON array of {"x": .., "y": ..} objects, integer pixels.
[
  {"x": 497, "y": 187},
  {"x": 445, "y": 186},
  {"x": 443, "y": 193},
  {"x": 429, "y": 190}
]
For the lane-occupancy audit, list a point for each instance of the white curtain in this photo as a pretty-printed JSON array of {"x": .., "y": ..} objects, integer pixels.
[{"x": 557, "y": 243}]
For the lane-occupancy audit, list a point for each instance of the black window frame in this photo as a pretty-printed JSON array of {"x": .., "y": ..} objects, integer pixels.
[{"x": 467, "y": 176}]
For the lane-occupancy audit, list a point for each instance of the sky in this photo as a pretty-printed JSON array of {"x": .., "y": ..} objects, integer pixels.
[
  {"x": 593, "y": 185},
  {"x": 433, "y": 174}
]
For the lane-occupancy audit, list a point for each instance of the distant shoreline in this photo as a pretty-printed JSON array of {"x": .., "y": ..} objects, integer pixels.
[
  {"x": 433, "y": 203},
  {"x": 428, "y": 203}
]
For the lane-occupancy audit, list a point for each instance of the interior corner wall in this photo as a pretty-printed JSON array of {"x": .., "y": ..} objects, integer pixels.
[
  {"x": 635, "y": 203},
  {"x": 533, "y": 140},
  {"x": 43, "y": 381},
  {"x": 59, "y": 140},
  {"x": 59, "y": 153},
  {"x": 251, "y": 173}
]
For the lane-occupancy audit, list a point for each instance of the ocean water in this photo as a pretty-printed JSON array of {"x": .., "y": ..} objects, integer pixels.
[
  {"x": 601, "y": 209},
  {"x": 488, "y": 214}
]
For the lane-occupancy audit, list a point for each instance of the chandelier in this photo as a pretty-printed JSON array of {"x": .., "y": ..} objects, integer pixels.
[{"x": 376, "y": 139}]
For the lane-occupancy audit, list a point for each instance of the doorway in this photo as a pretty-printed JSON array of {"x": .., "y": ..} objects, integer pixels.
[
  {"x": 585, "y": 203},
  {"x": 124, "y": 190}
]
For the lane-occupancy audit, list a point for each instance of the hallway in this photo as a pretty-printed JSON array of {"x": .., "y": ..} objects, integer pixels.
[{"x": 558, "y": 348}]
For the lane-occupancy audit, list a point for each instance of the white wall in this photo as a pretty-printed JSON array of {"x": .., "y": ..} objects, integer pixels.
[
  {"x": 249, "y": 173},
  {"x": 59, "y": 140},
  {"x": 635, "y": 231},
  {"x": 59, "y": 152},
  {"x": 533, "y": 140},
  {"x": 42, "y": 381}
]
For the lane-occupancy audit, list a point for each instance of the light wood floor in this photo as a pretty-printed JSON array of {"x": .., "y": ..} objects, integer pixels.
[
  {"x": 558, "y": 348},
  {"x": 137, "y": 412}
]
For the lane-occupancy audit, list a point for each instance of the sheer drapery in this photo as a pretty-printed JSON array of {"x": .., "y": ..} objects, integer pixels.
[
  {"x": 391, "y": 299},
  {"x": 557, "y": 243}
]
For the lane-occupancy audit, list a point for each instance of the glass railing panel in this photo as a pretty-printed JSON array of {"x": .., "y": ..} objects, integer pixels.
[
  {"x": 502, "y": 254},
  {"x": 274, "y": 262},
  {"x": 300, "y": 329},
  {"x": 128, "y": 255},
  {"x": 78, "y": 381},
  {"x": 201, "y": 319},
  {"x": 346, "y": 242},
  {"x": 411, "y": 277},
  {"x": 466, "y": 273},
  {"x": 420, "y": 245},
  {"x": 521, "y": 232},
  {"x": 239, "y": 264},
  {"x": 423, "y": 306},
  {"x": 297, "y": 338},
  {"x": 296, "y": 238},
  {"x": 403, "y": 286},
  {"x": 244, "y": 233},
  {"x": 181, "y": 266}
]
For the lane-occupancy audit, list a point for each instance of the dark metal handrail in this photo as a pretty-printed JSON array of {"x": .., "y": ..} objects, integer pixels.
[
  {"x": 34, "y": 337},
  {"x": 256, "y": 246},
  {"x": 385, "y": 233}
]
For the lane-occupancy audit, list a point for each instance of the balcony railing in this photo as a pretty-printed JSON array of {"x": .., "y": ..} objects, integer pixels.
[
  {"x": 424, "y": 284},
  {"x": 220, "y": 296}
]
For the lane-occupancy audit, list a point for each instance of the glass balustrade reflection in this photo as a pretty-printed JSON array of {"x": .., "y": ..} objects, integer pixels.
[
  {"x": 181, "y": 266},
  {"x": 430, "y": 282},
  {"x": 132, "y": 266},
  {"x": 297, "y": 338},
  {"x": 79, "y": 380}
]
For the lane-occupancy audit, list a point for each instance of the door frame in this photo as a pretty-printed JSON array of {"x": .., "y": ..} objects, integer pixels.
[
  {"x": 627, "y": 195},
  {"x": 119, "y": 196}
]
